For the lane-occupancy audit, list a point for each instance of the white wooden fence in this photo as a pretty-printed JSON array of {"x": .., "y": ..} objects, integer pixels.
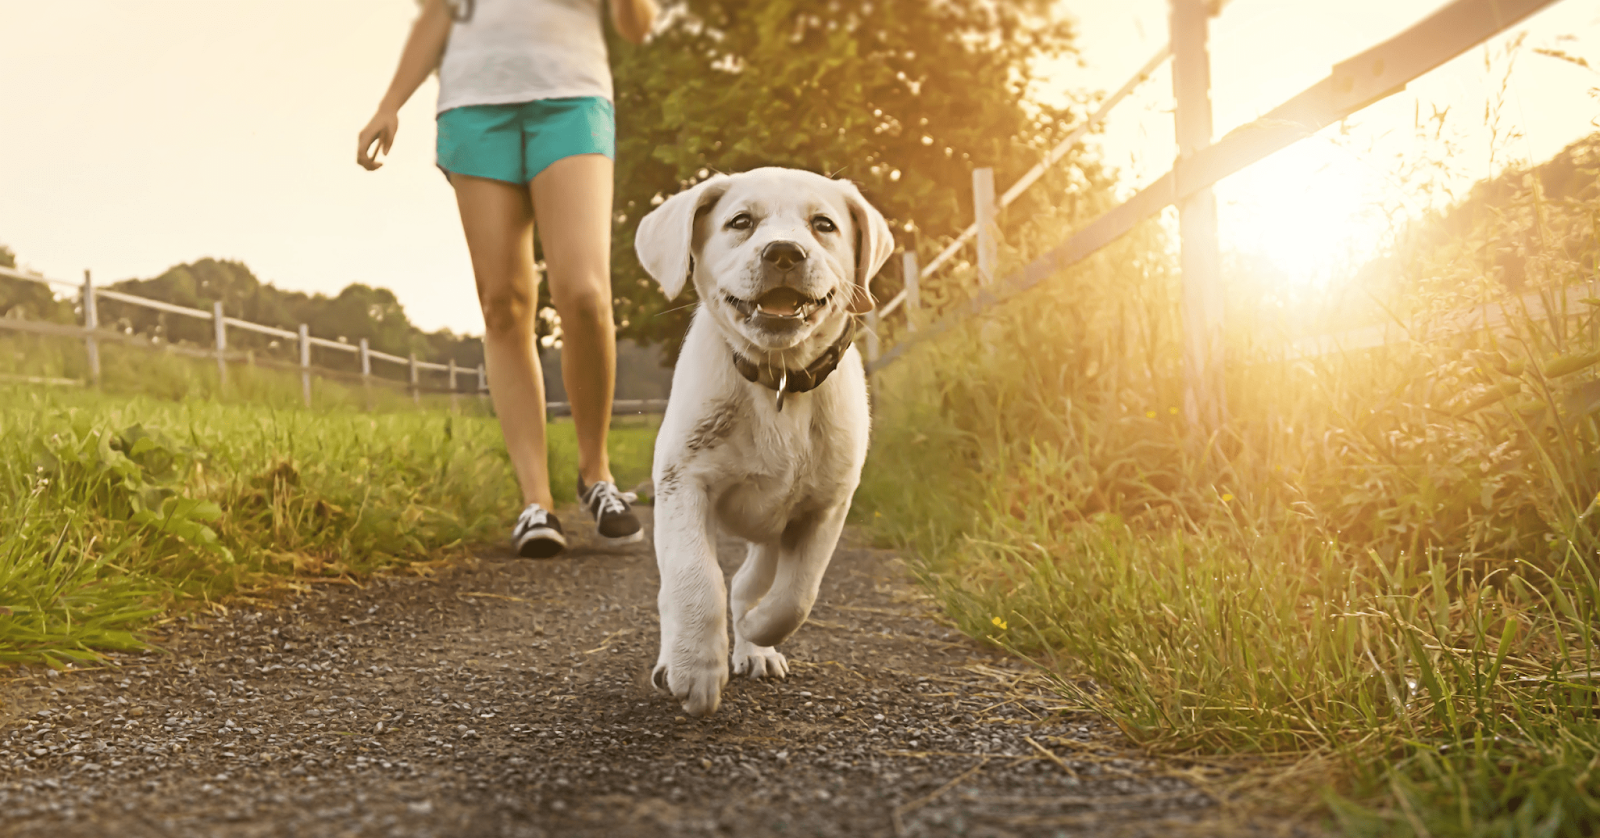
[
  {"x": 92, "y": 333},
  {"x": 457, "y": 380},
  {"x": 1363, "y": 79}
]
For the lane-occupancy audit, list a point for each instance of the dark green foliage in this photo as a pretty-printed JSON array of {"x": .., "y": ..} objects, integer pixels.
[{"x": 904, "y": 97}]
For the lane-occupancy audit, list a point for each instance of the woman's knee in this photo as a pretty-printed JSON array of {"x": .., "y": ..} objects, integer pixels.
[
  {"x": 508, "y": 311},
  {"x": 582, "y": 302}
]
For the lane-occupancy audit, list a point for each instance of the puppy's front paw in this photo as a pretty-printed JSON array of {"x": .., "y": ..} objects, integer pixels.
[
  {"x": 697, "y": 684},
  {"x": 759, "y": 662}
]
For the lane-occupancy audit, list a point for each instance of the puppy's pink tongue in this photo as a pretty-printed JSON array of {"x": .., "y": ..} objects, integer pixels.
[{"x": 780, "y": 302}]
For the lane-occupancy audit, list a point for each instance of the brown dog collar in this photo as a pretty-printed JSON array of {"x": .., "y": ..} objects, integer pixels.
[{"x": 785, "y": 381}]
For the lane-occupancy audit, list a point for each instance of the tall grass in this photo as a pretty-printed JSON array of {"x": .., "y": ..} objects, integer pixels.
[
  {"x": 120, "y": 510},
  {"x": 1378, "y": 578}
]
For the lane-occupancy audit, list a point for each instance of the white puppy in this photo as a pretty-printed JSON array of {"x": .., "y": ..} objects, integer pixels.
[{"x": 766, "y": 429}]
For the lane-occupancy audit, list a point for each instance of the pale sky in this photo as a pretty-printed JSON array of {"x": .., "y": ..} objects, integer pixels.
[{"x": 139, "y": 134}]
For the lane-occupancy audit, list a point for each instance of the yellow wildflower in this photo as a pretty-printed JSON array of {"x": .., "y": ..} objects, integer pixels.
[{"x": 999, "y": 623}]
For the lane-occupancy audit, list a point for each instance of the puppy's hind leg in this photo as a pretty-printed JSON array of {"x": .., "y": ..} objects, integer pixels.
[
  {"x": 693, "y": 664},
  {"x": 750, "y": 584},
  {"x": 805, "y": 550}
]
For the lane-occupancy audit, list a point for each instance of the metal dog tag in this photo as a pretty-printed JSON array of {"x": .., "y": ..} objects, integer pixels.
[{"x": 783, "y": 384}]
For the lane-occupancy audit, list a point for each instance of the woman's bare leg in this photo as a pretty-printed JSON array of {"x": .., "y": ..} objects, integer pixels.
[
  {"x": 572, "y": 200},
  {"x": 499, "y": 225}
]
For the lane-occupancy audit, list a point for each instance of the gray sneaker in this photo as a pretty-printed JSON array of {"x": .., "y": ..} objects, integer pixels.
[
  {"x": 613, "y": 518},
  {"x": 537, "y": 534}
]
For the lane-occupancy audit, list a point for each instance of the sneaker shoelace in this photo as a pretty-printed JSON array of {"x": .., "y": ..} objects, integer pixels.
[
  {"x": 534, "y": 515},
  {"x": 606, "y": 498}
]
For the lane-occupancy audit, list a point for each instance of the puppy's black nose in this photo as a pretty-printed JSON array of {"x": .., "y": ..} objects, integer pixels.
[{"x": 783, "y": 255}]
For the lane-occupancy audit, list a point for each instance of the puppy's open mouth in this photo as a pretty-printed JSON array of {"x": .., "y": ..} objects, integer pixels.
[{"x": 780, "y": 304}]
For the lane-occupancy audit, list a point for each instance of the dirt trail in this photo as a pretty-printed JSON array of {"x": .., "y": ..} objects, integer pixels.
[{"x": 508, "y": 697}]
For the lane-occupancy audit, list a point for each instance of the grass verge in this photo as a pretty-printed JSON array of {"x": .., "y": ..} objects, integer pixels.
[
  {"x": 1399, "y": 692},
  {"x": 1376, "y": 585}
]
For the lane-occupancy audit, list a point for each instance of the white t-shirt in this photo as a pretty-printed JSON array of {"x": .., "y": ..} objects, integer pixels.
[{"x": 509, "y": 51}]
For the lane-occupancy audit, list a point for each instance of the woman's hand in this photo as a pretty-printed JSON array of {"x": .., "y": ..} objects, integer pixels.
[
  {"x": 421, "y": 54},
  {"x": 376, "y": 139}
]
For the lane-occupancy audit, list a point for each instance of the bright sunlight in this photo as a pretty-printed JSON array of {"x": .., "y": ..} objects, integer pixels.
[{"x": 1311, "y": 213}]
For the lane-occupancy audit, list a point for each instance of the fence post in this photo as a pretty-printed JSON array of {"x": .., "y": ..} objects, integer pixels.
[
  {"x": 366, "y": 374},
  {"x": 91, "y": 322},
  {"x": 305, "y": 363},
  {"x": 911, "y": 275},
  {"x": 453, "y": 400},
  {"x": 1204, "y": 397},
  {"x": 988, "y": 239},
  {"x": 483, "y": 382},
  {"x": 416, "y": 392},
  {"x": 221, "y": 328}
]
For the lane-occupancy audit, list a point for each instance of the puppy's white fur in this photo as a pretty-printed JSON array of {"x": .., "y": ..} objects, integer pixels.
[{"x": 726, "y": 457}]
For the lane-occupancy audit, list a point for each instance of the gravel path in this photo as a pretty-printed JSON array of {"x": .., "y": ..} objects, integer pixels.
[{"x": 507, "y": 697}]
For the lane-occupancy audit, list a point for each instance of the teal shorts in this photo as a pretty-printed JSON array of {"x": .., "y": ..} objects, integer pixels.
[{"x": 513, "y": 143}]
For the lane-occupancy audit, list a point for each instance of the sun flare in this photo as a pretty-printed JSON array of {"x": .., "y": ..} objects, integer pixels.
[{"x": 1311, "y": 215}]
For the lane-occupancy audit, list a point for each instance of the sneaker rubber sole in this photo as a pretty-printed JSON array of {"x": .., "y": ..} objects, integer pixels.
[
  {"x": 621, "y": 540},
  {"x": 542, "y": 544}
]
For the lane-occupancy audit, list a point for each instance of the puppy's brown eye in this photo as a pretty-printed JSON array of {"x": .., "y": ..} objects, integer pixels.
[
  {"x": 823, "y": 224},
  {"x": 742, "y": 221}
]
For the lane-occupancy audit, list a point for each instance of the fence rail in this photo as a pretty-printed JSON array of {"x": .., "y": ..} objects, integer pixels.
[
  {"x": 92, "y": 333},
  {"x": 1353, "y": 84},
  {"x": 913, "y": 274},
  {"x": 1536, "y": 305}
]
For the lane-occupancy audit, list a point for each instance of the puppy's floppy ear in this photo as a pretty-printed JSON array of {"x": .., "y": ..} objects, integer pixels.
[
  {"x": 665, "y": 240},
  {"x": 874, "y": 244}
]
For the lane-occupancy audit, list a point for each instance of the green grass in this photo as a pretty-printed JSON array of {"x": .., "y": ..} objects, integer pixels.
[
  {"x": 1375, "y": 587},
  {"x": 1434, "y": 691},
  {"x": 122, "y": 510}
]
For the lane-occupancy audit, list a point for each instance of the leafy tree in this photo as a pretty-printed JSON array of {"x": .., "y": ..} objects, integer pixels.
[
  {"x": 197, "y": 285},
  {"x": 361, "y": 311},
  {"x": 29, "y": 300},
  {"x": 905, "y": 97}
]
